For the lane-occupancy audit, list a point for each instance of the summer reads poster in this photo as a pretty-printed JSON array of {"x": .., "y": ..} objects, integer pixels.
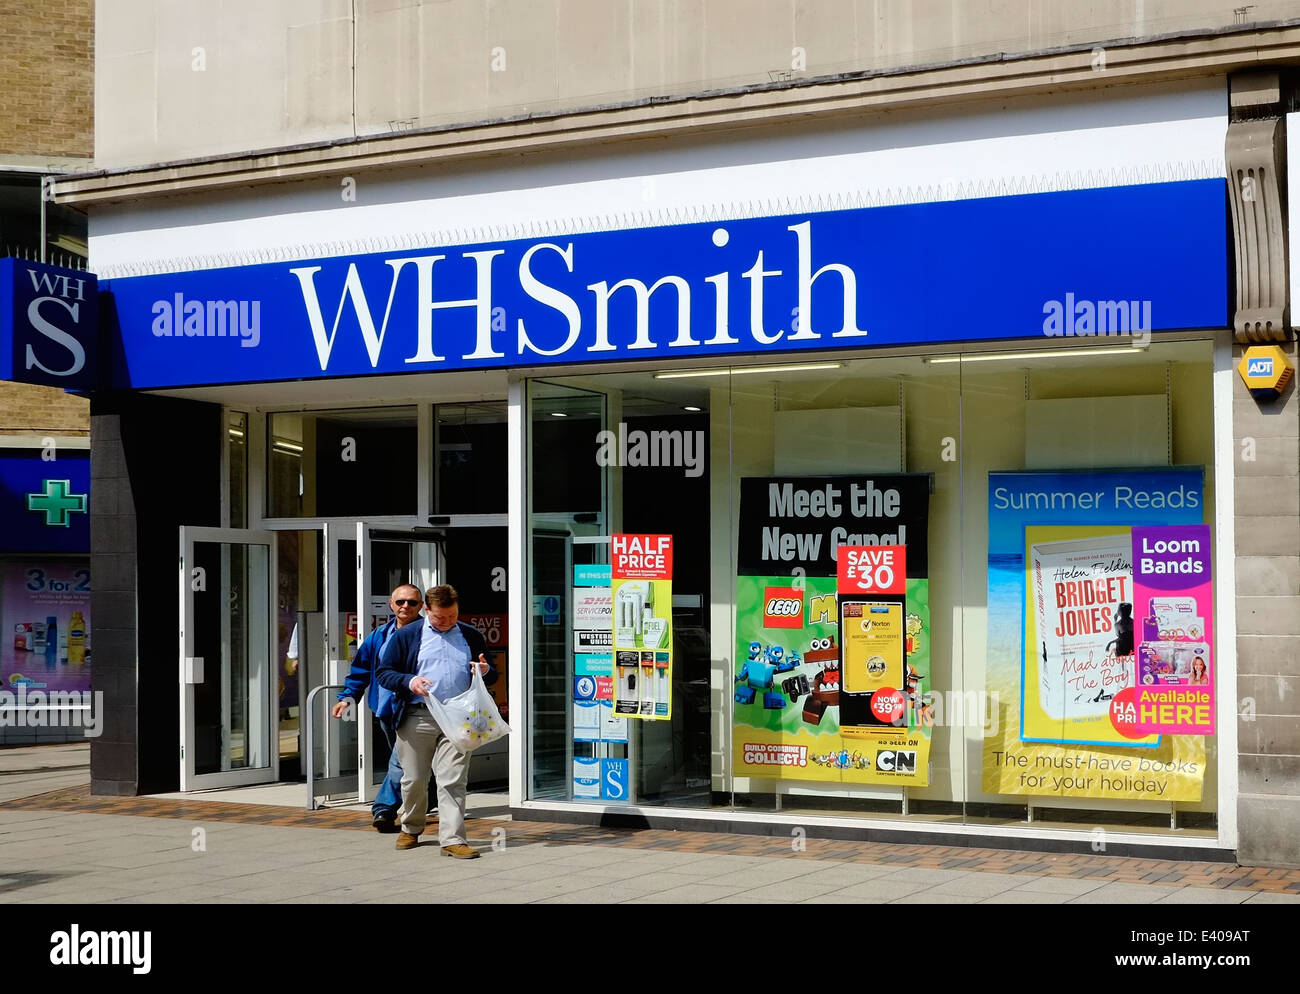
[
  {"x": 1061, "y": 634},
  {"x": 789, "y": 720}
]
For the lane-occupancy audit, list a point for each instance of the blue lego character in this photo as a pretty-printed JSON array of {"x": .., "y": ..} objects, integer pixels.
[{"x": 759, "y": 673}]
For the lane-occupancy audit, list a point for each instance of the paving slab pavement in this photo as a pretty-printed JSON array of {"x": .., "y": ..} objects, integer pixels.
[{"x": 76, "y": 848}]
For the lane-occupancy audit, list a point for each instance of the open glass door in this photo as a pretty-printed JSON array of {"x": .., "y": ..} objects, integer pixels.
[
  {"x": 363, "y": 564},
  {"x": 385, "y": 559},
  {"x": 227, "y": 658},
  {"x": 343, "y": 750}
]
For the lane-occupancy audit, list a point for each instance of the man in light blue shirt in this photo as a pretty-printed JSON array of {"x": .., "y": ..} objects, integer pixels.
[
  {"x": 436, "y": 657},
  {"x": 444, "y": 661}
]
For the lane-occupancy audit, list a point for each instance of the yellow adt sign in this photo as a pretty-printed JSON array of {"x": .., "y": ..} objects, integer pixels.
[{"x": 1266, "y": 371}]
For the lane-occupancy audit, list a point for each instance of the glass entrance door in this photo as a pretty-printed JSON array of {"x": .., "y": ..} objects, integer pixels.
[
  {"x": 364, "y": 563},
  {"x": 227, "y": 658}
]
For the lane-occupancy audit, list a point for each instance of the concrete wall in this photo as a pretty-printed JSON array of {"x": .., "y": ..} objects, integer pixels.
[
  {"x": 177, "y": 81},
  {"x": 46, "y": 77}
]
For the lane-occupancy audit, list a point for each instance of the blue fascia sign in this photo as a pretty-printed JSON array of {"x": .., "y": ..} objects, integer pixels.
[
  {"x": 1115, "y": 260},
  {"x": 49, "y": 325}
]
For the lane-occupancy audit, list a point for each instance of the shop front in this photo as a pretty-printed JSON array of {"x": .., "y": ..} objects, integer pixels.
[
  {"x": 874, "y": 485},
  {"x": 47, "y": 335},
  {"x": 45, "y": 658}
]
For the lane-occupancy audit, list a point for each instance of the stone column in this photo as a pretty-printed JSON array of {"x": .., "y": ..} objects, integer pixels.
[{"x": 1266, "y": 439}]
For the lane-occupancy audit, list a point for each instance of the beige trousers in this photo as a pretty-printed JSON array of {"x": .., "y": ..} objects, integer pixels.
[{"x": 420, "y": 742}]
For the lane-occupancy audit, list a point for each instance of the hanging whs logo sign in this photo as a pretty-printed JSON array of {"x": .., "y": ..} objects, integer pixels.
[
  {"x": 641, "y": 586},
  {"x": 49, "y": 324}
]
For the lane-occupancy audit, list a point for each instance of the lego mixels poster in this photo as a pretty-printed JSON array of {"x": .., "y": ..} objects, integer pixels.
[{"x": 789, "y": 687}]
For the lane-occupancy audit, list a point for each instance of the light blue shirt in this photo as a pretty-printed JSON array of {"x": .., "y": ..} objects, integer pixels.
[{"x": 444, "y": 661}]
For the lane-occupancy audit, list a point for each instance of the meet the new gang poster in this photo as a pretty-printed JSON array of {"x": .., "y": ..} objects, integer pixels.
[{"x": 787, "y": 680}]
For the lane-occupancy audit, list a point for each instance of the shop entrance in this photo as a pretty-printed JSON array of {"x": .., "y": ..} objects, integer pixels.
[
  {"x": 269, "y": 615},
  {"x": 364, "y": 563}
]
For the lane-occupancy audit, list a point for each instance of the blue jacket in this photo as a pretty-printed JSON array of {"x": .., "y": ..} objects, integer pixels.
[
  {"x": 400, "y": 660},
  {"x": 364, "y": 662}
]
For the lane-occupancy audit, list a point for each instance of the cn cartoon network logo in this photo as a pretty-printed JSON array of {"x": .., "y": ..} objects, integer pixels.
[
  {"x": 896, "y": 760},
  {"x": 782, "y": 607}
]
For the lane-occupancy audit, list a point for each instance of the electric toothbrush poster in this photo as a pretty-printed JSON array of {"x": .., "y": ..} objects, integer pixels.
[
  {"x": 641, "y": 581},
  {"x": 45, "y": 607},
  {"x": 832, "y": 677},
  {"x": 1064, "y": 607}
]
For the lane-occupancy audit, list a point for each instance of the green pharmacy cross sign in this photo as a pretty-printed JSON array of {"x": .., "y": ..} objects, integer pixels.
[{"x": 57, "y": 503}]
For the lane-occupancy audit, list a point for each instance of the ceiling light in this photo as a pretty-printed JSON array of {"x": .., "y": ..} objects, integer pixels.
[
  {"x": 558, "y": 414},
  {"x": 1044, "y": 354},
  {"x": 744, "y": 370},
  {"x": 693, "y": 410}
]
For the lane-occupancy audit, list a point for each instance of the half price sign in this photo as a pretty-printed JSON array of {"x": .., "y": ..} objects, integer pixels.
[{"x": 641, "y": 557}]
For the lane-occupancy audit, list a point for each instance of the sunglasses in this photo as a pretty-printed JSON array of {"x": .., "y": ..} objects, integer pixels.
[{"x": 401, "y": 603}]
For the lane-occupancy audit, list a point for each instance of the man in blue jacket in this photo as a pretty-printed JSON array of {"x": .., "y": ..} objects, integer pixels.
[
  {"x": 436, "y": 656},
  {"x": 405, "y": 605}
]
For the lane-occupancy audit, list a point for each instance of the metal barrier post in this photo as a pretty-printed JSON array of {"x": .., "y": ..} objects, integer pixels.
[{"x": 311, "y": 750}]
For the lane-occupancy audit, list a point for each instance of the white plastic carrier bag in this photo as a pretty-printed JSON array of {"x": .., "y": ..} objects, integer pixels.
[{"x": 470, "y": 719}]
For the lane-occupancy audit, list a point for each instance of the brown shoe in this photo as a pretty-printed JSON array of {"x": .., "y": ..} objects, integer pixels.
[
  {"x": 407, "y": 841},
  {"x": 460, "y": 851}
]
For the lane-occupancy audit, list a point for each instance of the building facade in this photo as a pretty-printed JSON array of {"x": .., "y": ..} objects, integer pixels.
[
  {"x": 46, "y": 129},
  {"x": 643, "y": 343}
]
